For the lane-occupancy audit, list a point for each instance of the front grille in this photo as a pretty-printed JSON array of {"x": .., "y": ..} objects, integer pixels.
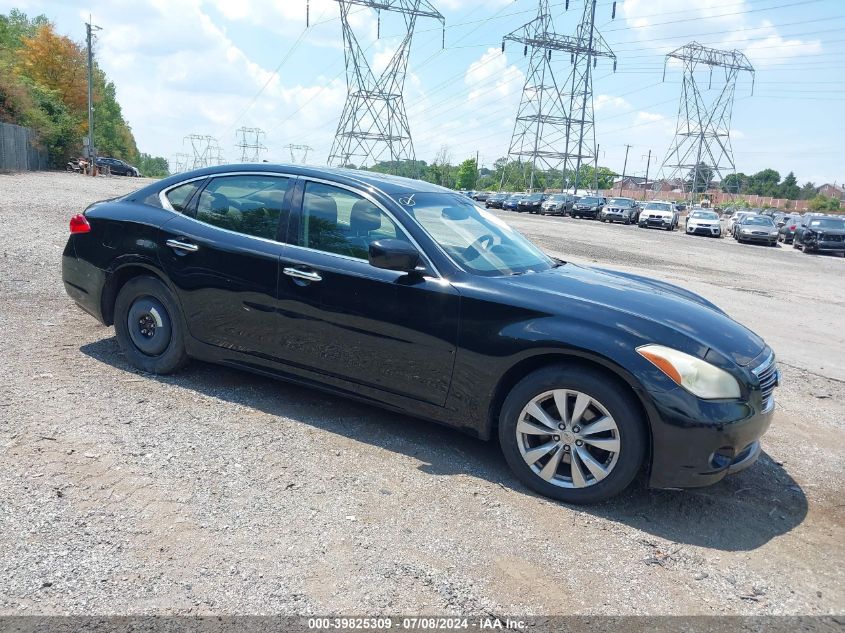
[
  {"x": 768, "y": 375},
  {"x": 831, "y": 238}
]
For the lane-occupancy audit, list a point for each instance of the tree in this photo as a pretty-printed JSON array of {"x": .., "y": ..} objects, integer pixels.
[
  {"x": 734, "y": 183},
  {"x": 153, "y": 166},
  {"x": 789, "y": 187},
  {"x": 764, "y": 183},
  {"x": 700, "y": 178},
  {"x": 808, "y": 191},
  {"x": 823, "y": 203},
  {"x": 467, "y": 175},
  {"x": 56, "y": 63}
]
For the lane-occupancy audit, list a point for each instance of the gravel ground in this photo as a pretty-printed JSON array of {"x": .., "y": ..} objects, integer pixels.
[{"x": 215, "y": 491}]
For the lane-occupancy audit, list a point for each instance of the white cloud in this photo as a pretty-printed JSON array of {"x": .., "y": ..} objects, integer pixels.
[
  {"x": 609, "y": 103},
  {"x": 491, "y": 75}
]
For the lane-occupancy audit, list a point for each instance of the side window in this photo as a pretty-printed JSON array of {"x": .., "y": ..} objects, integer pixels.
[
  {"x": 180, "y": 196},
  {"x": 246, "y": 204},
  {"x": 339, "y": 221}
]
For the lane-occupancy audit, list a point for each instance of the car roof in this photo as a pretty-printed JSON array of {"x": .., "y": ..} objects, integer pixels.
[{"x": 387, "y": 183}]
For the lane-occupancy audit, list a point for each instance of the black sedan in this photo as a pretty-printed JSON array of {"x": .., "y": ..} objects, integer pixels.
[
  {"x": 821, "y": 235},
  {"x": 410, "y": 296},
  {"x": 496, "y": 200},
  {"x": 117, "y": 167},
  {"x": 531, "y": 203},
  {"x": 756, "y": 228},
  {"x": 588, "y": 207},
  {"x": 786, "y": 231}
]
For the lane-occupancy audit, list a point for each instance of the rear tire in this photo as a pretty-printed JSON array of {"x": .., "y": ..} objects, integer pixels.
[
  {"x": 606, "y": 397},
  {"x": 149, "y": 326}
]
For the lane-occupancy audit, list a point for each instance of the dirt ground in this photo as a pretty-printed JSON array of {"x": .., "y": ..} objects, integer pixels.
[{"x": 215, "y": 491}]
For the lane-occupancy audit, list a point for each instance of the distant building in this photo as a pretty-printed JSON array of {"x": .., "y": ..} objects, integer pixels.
[
  {"x": 631, "y": 182},
  {"x": 832, "y": 191}
]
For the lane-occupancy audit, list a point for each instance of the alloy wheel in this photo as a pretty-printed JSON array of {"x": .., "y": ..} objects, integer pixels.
[{"x": 568, "y": 438}]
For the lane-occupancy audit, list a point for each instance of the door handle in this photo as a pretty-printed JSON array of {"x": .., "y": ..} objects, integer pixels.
[
  {"x": 182, "y": 246},
  {"x": 306, "y": 275}
]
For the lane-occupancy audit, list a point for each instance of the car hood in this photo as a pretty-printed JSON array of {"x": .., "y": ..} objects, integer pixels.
[{"x": 684, "y": 313}]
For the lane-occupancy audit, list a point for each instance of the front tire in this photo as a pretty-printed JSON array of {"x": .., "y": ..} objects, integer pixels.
[
  {"x": 149, "y": 326},
  {"x": 590, "y": 451}
]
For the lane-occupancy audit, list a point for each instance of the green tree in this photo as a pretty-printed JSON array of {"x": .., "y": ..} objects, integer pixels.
[
  {"x": 808, "y": 191},
  {"x": 153, "y": 166},
  {"x": 734, "y": 183},
  {"x": 789, "y": 187},
  {"x": 764, "y": 183},
  {"x": 467, "y": 174},
  {"x": 700, "y": 178},
  {"x": 823, "y": 203}
]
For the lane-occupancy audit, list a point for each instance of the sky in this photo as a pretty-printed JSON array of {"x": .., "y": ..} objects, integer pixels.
[{"x": 212, "y": 66}]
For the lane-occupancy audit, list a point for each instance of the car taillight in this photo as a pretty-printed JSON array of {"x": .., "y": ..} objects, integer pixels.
[
  {"x": 79, "y": 224},
  {"x": 792, "y": 228}
]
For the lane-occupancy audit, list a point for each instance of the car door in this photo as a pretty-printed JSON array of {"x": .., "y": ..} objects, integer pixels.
[
  {"x": 222, "y": 254},
  {"x": 382, "y": 329}
]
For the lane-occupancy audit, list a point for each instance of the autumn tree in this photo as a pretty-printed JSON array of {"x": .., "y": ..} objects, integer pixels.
[{"x": 56, "y": 63}]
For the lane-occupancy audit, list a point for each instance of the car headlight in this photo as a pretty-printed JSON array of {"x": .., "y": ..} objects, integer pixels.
[
  {"x": 745, "y": 230},
  {"x": 773, "y": 233},
  {"x": 693, "y": 374}
]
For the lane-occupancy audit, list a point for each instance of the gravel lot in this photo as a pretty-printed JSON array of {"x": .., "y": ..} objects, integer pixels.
[{"x": 214, "y": 491}]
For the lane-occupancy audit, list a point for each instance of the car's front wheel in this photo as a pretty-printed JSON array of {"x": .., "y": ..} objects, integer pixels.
[
  {"x": 149, "y": 327},
  {"x": 572, "y": 434}
]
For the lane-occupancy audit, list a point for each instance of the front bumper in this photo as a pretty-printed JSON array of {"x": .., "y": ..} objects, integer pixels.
[
  {"x": 766, "y": 239},
  {"x": 699, "y": 442},
  {"x": 825, "y": 246},
  {"x": 592, "y": 213},
  {"x": 658, "y": 223},
  {"x": 704, "y": 230},
  {"x": 615, "y": 216}
]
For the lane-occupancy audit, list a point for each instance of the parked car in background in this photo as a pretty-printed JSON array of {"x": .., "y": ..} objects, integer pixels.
[
  {"x": 531, "y": 203},
  {"x": 481, "y": 196},
  {"x": 736, "y": 218},
  {"x": 588, "y": 207},
  {"x": 756, "y": 228},
  {"x": 116, "y": 167},
  {"x": 787, "y": 227},
  {"x": 821, "y": 234},
  {"x": 620, "y": 210},
  {"x": 704, "y": 222},
  {"x": 495, "y": 200},
  {"x": 659, "y": 215},
  {"x": 558, "y": 204},
  {"x": 512, "y": 202},
  {"x": 410, "y": 296}
]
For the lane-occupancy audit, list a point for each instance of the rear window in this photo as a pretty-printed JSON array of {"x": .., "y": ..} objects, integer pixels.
[{"x": 180, "y": 196}]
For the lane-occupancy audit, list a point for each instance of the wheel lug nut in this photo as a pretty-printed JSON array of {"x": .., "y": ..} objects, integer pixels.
[
  {"x": 566, "y": 447},
  {"x": 579, "y": 443},
  {"x": 577, "y": 429},
  {"x": 557, "y": 438},
  {"x": 562, "y": 427}
]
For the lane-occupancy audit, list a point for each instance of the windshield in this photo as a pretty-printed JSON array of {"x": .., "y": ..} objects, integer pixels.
[
  {"x": 476, "y": 240},
  {"x": 758, "y": 220},
  {"x": 658, "y": 206},
  {"x": 704, "y": 215},
  {"x": 589, "y": 201},
  {"x": 558, "y": 198},
  {"x": 827, "y": 223},
  {"x": 621, "y": 202}
]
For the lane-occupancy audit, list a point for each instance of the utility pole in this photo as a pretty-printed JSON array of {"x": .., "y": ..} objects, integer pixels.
[
  {"x": 624, "y": 167},
  {"x": 92, "y": 151},
  {"x": 477, "y": 168},
  {"x": 647, "y": 165},
  {"x": 595, "y": 174}
]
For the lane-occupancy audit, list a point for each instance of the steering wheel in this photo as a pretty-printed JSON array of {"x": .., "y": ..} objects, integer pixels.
[{"x": 473, "y": 250}]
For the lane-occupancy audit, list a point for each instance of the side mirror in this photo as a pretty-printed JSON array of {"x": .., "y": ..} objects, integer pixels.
[{"x": 394, "y": 255}]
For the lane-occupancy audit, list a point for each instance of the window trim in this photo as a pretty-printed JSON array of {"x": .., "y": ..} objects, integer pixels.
[{"x": 430, "y": 267}]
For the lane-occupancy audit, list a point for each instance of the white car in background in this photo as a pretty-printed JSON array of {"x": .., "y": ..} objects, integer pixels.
[
  {"x": 704, "y": 222},
  {"x": 659, "y": 215},
  {"x": 736, "y": 218}
]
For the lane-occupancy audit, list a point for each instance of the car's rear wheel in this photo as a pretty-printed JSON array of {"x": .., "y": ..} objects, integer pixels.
[
  {"x": 149, "y": 326},
  {"x": 571, "y": 434}
]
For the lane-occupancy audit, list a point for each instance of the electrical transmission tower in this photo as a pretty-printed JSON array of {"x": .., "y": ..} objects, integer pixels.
[
  {"x": 249, "y": 142},
  {"x": 299, "y": 153},
  {"x": 701, "y": 150},
  {"x": 554, "y": 124},
  {"x": 374, "y": 124},
  {"x": 179, "y": 163},
  {"x": 205, "y": 151}
]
